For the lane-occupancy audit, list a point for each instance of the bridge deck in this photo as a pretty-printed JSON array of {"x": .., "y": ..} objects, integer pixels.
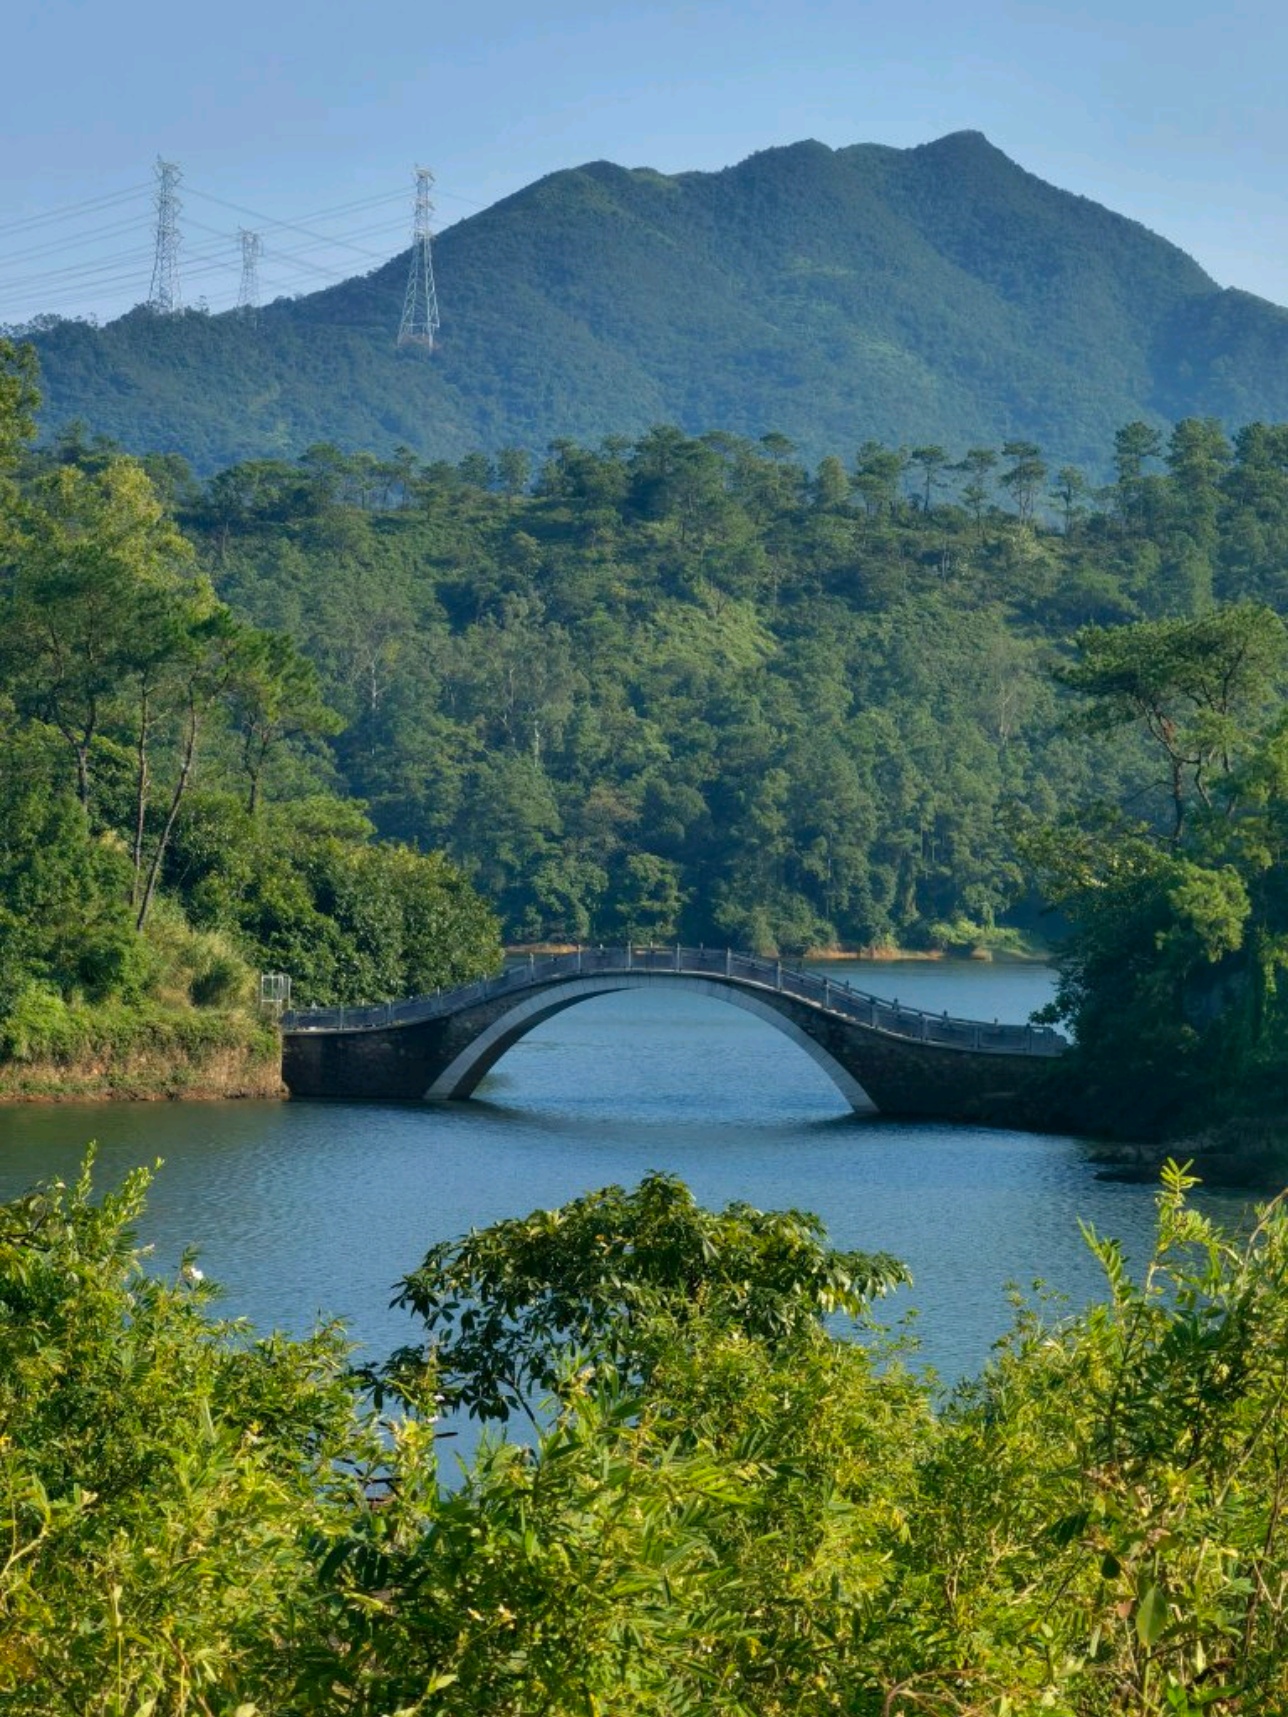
[{"x": 748, "y": 971}]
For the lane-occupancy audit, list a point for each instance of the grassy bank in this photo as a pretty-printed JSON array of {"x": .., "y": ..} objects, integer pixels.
[
  {"x": 1000, "y": 945},
  {"x": 192, "y": 1030},
  {"x": 1027, "y": 953},
  {"x": 143, "y": 1052}
]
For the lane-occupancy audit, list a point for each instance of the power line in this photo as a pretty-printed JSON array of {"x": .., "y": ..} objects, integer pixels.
[
  {"x": 85, "y": 270},
  {"x": 289, "y": 268},
  {"x": 287, "y": 226},
  {"x": 456, "y": 197},
  {"x": 206, "y": 260},
  {"x": 191, "y": 257},
  {"x": 222, "y": 234},
  {"x": 357, "y": 203},
  {"x": 83, "y": 235},
  {"x": 122, "y": 270},
  {"x": 65, "y": 209}
]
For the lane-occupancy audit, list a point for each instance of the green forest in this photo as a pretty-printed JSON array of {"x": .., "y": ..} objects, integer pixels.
[
  {"x": 691, "y": 688},
  {"x": 688, "y": 687},
  {"x": 325, "y": 716},
  {"x": 169, "y": 826},
  {"x": 738, "y": 1497}
]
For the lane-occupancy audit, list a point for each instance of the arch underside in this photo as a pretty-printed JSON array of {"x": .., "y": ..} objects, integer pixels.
[{"x": 462, "y": 1075}]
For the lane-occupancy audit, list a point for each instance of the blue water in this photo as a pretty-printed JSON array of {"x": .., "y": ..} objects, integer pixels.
[{"x": 304, "y": 1210}]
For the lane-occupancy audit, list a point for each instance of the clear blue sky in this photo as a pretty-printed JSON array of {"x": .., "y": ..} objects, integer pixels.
[{"x": 1171, "y": 113}]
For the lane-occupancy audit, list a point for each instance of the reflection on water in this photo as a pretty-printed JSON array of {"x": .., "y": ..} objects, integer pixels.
[{"x": 307, "y": 1209}]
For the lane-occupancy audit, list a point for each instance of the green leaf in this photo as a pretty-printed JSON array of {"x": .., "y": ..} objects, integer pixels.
[
  {"x": 1072, "y": 1526},
  {"x": 1151, "y": 1617}
]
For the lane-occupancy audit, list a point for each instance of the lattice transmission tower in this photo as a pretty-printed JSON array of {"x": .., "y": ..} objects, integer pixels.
[
  {"x": 420, "y": 305},
  {"x": 252, "y": 246},
  {"x": 164, "y": 295}
]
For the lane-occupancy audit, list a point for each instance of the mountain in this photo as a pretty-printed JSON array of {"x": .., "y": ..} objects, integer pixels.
[{"x": 936, "y": 294}]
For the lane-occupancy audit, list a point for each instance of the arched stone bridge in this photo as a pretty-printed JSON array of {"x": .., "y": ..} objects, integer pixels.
[{"x": 884, "y": 1058}]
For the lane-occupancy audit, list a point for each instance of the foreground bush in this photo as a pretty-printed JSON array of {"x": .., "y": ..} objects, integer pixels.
[{"x": 724, "y": 1506}]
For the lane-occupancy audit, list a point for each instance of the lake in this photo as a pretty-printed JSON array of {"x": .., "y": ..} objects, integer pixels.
[{"x": 304, "y": 1210}]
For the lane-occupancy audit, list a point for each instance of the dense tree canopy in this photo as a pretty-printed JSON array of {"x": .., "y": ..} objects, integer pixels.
[
  {"x": 508, "y": 1310},
  {"x": 778, "y": 1518},
  {"x": 159, "y": 753},
  {"x": 689, "y": 687},
  {"x": 1173, "y": 971},
  {"x": 670, "y": 687}
]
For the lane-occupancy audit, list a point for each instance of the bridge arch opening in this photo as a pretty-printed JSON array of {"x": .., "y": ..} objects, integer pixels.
[{"x": 463, "y": 1074}]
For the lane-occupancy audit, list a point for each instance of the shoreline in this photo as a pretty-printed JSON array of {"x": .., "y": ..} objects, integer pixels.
[
  {"x": 877, "y": 954},
  {"x": 1243, "y": 1153},
  {"x": 155, "y": 1075},
  {"x": 94, "y": 1094},
  {"x": 160, "y": 1073}
]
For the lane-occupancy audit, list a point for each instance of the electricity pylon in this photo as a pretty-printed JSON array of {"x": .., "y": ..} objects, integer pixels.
[
  {"x": 248, "y": 293},
  {"x": 164, "y": 295},
  {"x": 420, "y": 305}
]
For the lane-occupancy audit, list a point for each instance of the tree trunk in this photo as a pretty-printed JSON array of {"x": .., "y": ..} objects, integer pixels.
[
  {"x": 180, "y": 787},
  {"x": 141, "y": 784}
]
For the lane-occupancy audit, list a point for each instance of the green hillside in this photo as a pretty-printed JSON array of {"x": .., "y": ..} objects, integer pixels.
[{"x": 937, "y": 294}]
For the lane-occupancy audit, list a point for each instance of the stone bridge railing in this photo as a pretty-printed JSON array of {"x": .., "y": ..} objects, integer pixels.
[{"x": 746, "y": 970}]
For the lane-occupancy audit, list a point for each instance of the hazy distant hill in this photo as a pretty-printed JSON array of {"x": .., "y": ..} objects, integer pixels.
[{"x": 932, "y": 294}]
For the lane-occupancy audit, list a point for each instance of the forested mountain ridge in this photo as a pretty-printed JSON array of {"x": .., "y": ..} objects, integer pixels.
[{"x": 934, "y": 294}]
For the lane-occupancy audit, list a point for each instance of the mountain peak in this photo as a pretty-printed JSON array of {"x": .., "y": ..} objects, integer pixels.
[
  {"x": 965, "y": 151},
  {"x": 961, "y": 142}
]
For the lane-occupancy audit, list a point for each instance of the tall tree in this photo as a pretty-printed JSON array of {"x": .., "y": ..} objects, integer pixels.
[
  {"x": 274, "y": 696},
  {"x": 1024, "y": 476},
  {"x": 931, "y": 462},
  {"x": 976, "y": 466},
  {"x": 18, "y": 401},
  {"x": 99, "y": 579},
  {"x": 1199, "y": 689}
]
